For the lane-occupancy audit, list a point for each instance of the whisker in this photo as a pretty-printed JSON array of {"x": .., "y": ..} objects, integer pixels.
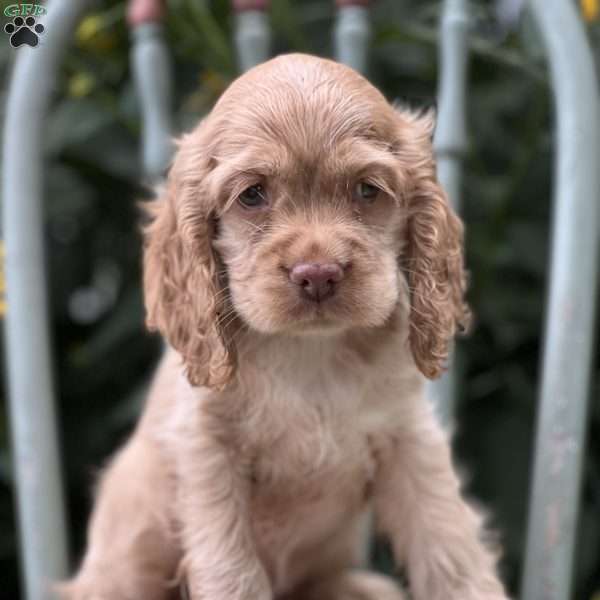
[
  {"x": 225, "y": 323},
  {"x": 433, "y": 271},
  {"x": 241, "y": 329},
  {"x": 226, "y": 315},
  {"x": 256, "y": 227}
]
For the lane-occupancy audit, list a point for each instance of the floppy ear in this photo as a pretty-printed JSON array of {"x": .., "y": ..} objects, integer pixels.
[
  {"x": 433, "y": 256},
  {"x": 181, "y": 277}
]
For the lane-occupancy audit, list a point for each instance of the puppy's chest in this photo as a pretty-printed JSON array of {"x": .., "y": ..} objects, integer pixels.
[{"x": 309, "y": 440}]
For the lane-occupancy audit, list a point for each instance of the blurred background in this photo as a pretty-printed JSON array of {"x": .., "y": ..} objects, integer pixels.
[{"x": 103, "y": 357}]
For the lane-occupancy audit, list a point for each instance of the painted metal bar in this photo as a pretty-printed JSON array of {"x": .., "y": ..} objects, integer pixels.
[
  {"x": 252, "y": 32},
  {"x": 352, "y": 33},
  {"x": 30, "y": 387},
  {"x": 151, "y": 67},
  {"x": 508, "y": 14},
  {"x": 450, "y": 144},
  {"x": 566, "y": 367}
]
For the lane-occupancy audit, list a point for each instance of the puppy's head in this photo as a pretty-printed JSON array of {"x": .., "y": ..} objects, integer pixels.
[{"x": 304, "y": 204}]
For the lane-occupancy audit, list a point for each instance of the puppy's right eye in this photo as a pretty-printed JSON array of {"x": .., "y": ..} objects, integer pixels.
[
  {"x": 366, "y": 192},
  {"x": 253, "y": 197}
]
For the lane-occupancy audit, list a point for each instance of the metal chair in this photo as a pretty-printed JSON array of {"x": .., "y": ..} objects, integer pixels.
[{"x": 563, "y": 398}]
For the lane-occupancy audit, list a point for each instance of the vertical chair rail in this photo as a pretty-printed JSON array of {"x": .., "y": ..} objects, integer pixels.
[
  {"x": 30, "y": 387},
  {"x": 252, "y": 32},
  {"x": 352, "y": 33},
  {"x": 154, "y": 82},
  {"x": 450, "y": 143},
  {"x": 569, "y": 323}
]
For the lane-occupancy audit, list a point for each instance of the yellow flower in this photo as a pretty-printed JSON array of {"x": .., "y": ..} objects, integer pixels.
[
  {"x": 590, "y": 9},
  {"x": 88, "y": 28},
  {"x": 95, "y": 34},
  {"x": 81, "y": 84},
  {"x": 214, "y": 81}
]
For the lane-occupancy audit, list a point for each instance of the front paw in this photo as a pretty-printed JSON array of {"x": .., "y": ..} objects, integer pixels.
[
  {"x": 474, "y": 594},
  {"x": 238, "y": 588},
  {"x": 103, "y": 588},
  {"x": 77, "y": 590}
]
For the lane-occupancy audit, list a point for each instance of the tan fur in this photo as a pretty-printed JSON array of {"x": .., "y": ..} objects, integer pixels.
[{"x": 277, "y": 428}]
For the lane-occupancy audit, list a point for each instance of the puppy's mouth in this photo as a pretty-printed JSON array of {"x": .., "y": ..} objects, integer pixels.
[
  {"x": 314, "y": 297},
  {"x": 310, "y": 319}
]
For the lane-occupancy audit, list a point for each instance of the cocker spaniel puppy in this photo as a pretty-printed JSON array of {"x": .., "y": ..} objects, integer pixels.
[{"x": 306, "y": 270}]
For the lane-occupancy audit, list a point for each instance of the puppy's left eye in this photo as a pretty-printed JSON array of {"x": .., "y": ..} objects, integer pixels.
[
  {"x": 365, "y": 192},
  {"x": 253, "y": 197}
]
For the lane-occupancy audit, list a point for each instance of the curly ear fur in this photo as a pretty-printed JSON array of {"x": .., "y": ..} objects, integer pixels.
[
  {"x": 433, "y": 256},
  {"x": 181, "y": 281}
]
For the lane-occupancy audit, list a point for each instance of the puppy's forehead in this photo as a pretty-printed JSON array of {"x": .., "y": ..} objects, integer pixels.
[{"x": 306, "y": 103}]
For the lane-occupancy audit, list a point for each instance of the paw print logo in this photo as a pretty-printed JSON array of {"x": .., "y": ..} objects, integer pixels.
[{"x": 24, "y": 31}]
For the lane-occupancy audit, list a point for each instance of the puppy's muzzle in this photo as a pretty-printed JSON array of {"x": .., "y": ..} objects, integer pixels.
[{"x": 317, "y": 281}]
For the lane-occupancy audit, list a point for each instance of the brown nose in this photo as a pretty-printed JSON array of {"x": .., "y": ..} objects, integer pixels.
[{"x": 317, "y": 281}]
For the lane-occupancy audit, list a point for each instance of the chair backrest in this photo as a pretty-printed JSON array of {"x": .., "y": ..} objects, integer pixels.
[{"x": 564, "y": 392}]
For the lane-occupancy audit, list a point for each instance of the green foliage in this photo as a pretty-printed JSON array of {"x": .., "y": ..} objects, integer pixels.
[{"x": 103, "y": 356}]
